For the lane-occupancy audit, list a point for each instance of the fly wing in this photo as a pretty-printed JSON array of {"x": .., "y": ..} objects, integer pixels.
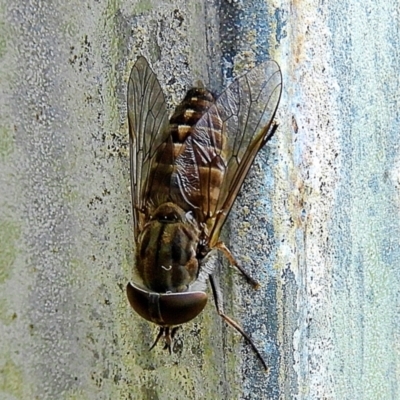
[
  {"x": 224, "y": 143},
  {"x": 247, "y": 109},
  {"x": 148, "y": 136}
]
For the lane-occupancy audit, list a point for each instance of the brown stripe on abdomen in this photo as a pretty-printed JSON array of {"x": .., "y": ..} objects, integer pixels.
[
  {"x": 191, "y": 168},
  {"x": 196, "y": 102}
]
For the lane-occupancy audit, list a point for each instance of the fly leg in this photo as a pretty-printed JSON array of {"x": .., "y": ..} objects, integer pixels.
[
  {"x": 168, "y": 337},
  {"x": 221, "y": 246},
  {"x": 160, "y": 333},
  {"x": 219, "y": 306}
]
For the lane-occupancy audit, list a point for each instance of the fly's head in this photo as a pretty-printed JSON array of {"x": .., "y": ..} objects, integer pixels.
[{"x": 168, "y": 310}]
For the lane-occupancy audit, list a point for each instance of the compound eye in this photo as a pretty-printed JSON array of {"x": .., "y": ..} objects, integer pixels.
[{"x": 166, "y": 309}]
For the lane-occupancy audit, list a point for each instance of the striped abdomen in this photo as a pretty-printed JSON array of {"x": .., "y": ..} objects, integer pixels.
[
  {"x": 192, "y": 155},
  {"x": 196, "y": 102}
]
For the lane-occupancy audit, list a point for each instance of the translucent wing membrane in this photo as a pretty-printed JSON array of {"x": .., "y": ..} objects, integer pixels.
[
  {"x": 224, "y": 142},
  {"x": 148, "y": 119}
]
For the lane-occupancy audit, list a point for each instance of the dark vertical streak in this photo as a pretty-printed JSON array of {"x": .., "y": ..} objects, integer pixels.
[{"x": 238, "y": 22}]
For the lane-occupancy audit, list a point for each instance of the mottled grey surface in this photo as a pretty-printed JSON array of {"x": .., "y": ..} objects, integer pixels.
[{"x": 317, "y": 222}]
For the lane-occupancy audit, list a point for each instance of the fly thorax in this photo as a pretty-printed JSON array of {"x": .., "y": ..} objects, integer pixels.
[{"x": 167, "y": 254}]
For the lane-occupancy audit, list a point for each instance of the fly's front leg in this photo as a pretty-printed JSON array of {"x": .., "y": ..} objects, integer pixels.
[
  {"x": 221, "y": 246},
  {"x": 219, "y": 306}
]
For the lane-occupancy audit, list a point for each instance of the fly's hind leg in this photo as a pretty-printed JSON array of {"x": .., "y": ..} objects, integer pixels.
[{"x": 221, "y": 246}]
